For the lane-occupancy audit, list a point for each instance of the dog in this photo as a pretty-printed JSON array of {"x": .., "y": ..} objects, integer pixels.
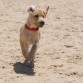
[{"x": 30, "y": 34}]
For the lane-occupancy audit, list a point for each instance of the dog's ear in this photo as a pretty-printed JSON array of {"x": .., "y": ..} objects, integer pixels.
[
  {"x": 45, "y": 12},
  {"x": 47, "y": 8},
  {"x": 31, "y": 8}
]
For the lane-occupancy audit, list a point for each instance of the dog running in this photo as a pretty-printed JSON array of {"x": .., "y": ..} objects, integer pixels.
[{"x": 30, "y": 33}]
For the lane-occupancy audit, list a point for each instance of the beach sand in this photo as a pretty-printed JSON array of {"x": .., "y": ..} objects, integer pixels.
[{"x": 59, "y": 58}]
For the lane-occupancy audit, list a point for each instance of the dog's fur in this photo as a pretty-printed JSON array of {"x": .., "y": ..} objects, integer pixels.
[{"x": 28, "y": 37}]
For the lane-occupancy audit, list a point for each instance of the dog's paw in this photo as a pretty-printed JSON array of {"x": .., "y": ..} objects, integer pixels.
[
  {"x": 31, "y": 65},
  {"x": 26, "y": 63}
]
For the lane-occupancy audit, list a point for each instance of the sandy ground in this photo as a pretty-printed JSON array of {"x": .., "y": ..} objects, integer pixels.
[{"x": 59, "y": 58}]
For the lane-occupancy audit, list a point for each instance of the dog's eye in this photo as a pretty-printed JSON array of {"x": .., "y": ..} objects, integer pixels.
[{"x": 36, "y": 16}]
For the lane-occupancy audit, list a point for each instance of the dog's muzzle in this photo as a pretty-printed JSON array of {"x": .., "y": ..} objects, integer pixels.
[{"x": 41, "y": 23}]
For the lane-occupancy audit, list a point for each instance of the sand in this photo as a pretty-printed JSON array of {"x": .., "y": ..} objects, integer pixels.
[{"x": 59, "y": 58}]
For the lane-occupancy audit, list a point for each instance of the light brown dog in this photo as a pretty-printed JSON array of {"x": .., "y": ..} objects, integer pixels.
[{"x": 30, "y": 35}]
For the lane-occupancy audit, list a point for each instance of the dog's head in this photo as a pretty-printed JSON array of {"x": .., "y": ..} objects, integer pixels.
[{"x": 37, "y": 16}]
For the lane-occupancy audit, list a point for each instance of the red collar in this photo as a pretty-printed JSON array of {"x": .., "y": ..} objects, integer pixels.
[{"x": 31, "y": 29}]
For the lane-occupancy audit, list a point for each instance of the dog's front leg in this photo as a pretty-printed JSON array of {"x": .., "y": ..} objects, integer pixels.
[
  {"x": 32, "y": 54},
  {"x": 24, "y": 48}
]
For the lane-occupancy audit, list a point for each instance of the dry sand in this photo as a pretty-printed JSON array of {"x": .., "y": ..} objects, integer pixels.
[{"x": 59, "y": 58}]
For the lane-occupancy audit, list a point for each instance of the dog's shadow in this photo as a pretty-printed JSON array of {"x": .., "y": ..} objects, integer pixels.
[{"x": 19, "y": 68}]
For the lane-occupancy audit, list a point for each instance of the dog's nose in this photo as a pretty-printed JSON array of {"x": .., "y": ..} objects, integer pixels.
[{"x": 42, "y": 22}]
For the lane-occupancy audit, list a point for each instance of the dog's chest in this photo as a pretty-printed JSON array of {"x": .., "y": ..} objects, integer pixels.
[
  {"x": 33, "y": 37},
  {"x": 29, "y": 36}
]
